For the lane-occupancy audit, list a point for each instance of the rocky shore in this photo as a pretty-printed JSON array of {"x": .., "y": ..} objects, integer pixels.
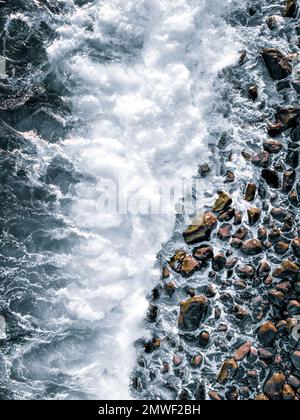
[{"x": 224, "y": 318}]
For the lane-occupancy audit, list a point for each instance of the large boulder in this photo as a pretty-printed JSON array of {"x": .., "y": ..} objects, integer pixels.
[
  {"x": 277, "y": 64},
  {"x": 200, "y": 229},
  {"x": 192, "y": 313}
]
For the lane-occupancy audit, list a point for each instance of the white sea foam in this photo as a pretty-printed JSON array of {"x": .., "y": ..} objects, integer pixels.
[{"x": 147, "y": 118}]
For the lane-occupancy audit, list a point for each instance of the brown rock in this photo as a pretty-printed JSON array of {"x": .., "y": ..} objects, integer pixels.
[
  {"x": 238, "y": 218},
  {"x": 228, "y": 370},
  {"x": 243, "y": 351},
  {"x": 296, "y": 246},
  {"x": 204, "y": 339},
  {"x": 227, "y": 215},
  {"x": 197, "y": 360},
  {"x": 252, "y": 247},
  {"x": 274, "y": 235},
  {"x": 294, "y": 308},
  {"x": 224, "y": 200},
  {"x": 240, "y": 312},
  {"x": 250, "y": 192},
  {"x": 245, "y": 271},
  {"x": 261, "y": 397},
  {"x": 254, "y": 215},
  {"x": 281, "y": 248},
  {"x": 287, "y": 269},
  {"x": 203, "y": 253},
  {"x": 177, "y": 360},
  {"x": 230, "y": 177},
  {"x": 261, "y": 159},
  {"x": 170, "y": 288},
  {"x": 236, "y": 243},
  {"x": 278, "y": 66},
  {"x": 241, "y": 233},
  {"x": 262, "y": 233},
  {"x": 192, "y": 313},
  {"x": 288, "y": 393},
  {"x": 264, "y": 269},
  {"x": 290, "y": 9},
  {"x": 224, "y": 232},
  {"x": 285, "y": 118},
  {"x": 219, "y": 262},
  {"x": 278, "y": 214},
  {"x": 289, "y": 178},
  {"x": 153, "y": 345},
  {"x": 294, "y": 199},
  {"x": 200, "y": 229},
  {"x": 273, "y": 146},
  {"x": 274, "y": 386},
  {"x": 277, "y": 298},
  {"x": 214, "y": 396},
  {"x": 267, "y": 333},
  {"x": 184, "y": 264}
]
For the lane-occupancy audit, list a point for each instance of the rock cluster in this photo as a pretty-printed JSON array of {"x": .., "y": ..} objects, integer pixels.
[{"x": 233, "y": 289}]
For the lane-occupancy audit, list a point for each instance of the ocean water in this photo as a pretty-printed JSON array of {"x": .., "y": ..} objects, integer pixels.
[{"x": 103, "y": 100}]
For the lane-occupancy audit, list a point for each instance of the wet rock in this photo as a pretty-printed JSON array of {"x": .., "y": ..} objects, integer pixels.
[
  {"x": 200, "y": 393},
  {"x": 242, "y": 352},
  {"x": 271, "y": 177},
  {"x": 236, "y": 243},
  {"x": 232, "y": 394},
  {"x": 230, "y": 177},
  {"x": 170, "y": 288},
  {"x": 287, "y": 269},
  {"x": 241, "y": 233},
  {"x": 227, "y": 215},
  {"x": 296, "y": 360},
  {"x": 200, "y": 229},
  {"x": 192, "y": 313},
  {"x": 262, "y": 233},
  {"x": 294, "y": 199},
  {"x": 219, "y": 262},
  {"x": 165, "y": 273},
  {"x": 277, "y": 298},
  {"x": 197, "y": 360},
  {"x": 296, "y": 246},
  {"x": 153, "y": 345},
  {"x": 273, "y": 146},
  {"x": 274, "y": 235},
  {"x": 289, "y": 178},
  {"x": 152, "y": 313},
  {"x": 252, "y": 247},
  {"x": 278, "y": 214},
  {"x": 261, "y": 397},
  {"x": 245, "y": 271},
  {"x": 285, "y": 118},
  {"x": 184, "y": 264},
  {"x": 253, "y": 215},
  {"x": 214, "y": 396},
  {"x": 228, "y": 370},
  {"x": 288, "y": 393},
  {"x": 277, "y": 64},
  {"x": 204, "y": 170},
  {"x": 203, "y": 253},
  {"x": 292, "y": 158},
  {"x": 165, "y": 368},
  {"x": 267, "y": 333},
  {"x": 177, "y": 360},
  {"x": 224, "y": 200},
  {"x": 250, "y": 192},
  {"x": 261, "y": 159},
  {"x": 294, "y": 308},
  {"x": 290, "y": 9},
  {"x": 238, "y": 218},
  {"x": 274, "y": 386},
  {"x": 295, "y": 134},
  {"x": 252, "y": 356},
  {"x": 224, "y": 232},
  {"x": 231, "y": 263},
  {"x": 294, "y": 381},
  {"x": 240, "y": 312},
  {"x": 253, "y": 92},
  {"x": 264, "y": 269},
  {"x": 204, "y": 339},
  {"x": 274, "y": 22},
  {"x": 281, "y": 248}
]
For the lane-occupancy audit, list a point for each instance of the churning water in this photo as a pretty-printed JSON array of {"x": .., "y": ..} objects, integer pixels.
[{"x": 101, "y": 93}]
